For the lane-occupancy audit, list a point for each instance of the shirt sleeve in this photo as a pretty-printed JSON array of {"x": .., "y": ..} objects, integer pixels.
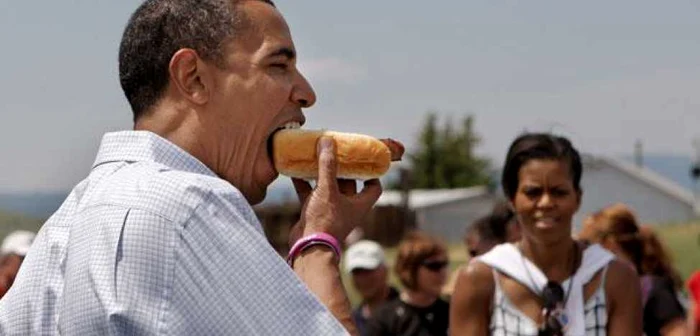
[
  {"x": 229, "y": 280},
  {"x": 663, "y": 305}
]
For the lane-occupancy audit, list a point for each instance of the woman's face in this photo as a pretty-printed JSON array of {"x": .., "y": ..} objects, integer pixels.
[
  {"x": 545, "y": 200},
  {"x": 432, "y": 274}
]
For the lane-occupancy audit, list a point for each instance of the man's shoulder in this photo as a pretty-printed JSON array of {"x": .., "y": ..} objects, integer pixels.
[{"x": 170, "y": 193}]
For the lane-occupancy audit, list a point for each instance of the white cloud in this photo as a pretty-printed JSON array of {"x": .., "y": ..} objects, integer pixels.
[{"x": 325, "y": 70}]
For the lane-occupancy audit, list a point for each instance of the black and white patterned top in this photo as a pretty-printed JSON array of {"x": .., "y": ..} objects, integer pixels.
[{"x": 507, "y": 320}]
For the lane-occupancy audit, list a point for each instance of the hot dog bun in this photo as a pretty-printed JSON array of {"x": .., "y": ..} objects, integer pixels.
[{"x": 359, "y": 156}]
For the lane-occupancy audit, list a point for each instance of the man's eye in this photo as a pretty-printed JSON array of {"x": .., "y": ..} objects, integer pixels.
[{"x": 282, "y": 66}]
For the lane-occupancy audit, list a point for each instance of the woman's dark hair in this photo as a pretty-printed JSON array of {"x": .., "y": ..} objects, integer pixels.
[
  {"x": 531, "y": 146},
  {"x": 657, "y": 260}
]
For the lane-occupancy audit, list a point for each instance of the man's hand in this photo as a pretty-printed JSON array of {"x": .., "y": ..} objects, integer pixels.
[{"x": 334, "y": 206}]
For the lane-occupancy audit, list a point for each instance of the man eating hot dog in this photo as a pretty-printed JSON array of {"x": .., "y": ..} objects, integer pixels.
[{"x": 160, "y": 237}]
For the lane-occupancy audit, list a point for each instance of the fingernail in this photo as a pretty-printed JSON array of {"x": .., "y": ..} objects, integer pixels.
[{"x": 326, "y": 143}]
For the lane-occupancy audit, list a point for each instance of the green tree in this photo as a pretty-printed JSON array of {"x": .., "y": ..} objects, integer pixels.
[{"x": 445, "y": 157}]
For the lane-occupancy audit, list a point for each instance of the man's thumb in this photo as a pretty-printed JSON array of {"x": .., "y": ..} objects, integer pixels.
[{"x": 327, "y": 163}]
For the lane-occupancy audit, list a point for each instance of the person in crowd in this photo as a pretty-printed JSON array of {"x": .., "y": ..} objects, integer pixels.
[
  {"x": 161, "y": 236},
  {"x": 421, "y": 266},
  {"x": 493, "y": 229},
  {"x": 658, "y": 261},
  {"x": 12, "y": 252},
  {"x": 366, "y": 263},
  {"x": 496, "y": 228},
  {"x": 480, "y": 237},
  {"x": 616, "y": 228},
  {"x": 693, "y": 285},
  {"x": 546, "y": 283},
  {"x": 656, "y": 258},
  {"x": 503, "y": 213}
]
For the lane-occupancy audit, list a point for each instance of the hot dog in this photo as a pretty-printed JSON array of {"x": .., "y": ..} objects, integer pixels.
[{"x": 359, "y": 156}]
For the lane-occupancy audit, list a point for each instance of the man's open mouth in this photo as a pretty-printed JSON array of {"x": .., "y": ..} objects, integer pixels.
[{"x": 288, "y": 125}]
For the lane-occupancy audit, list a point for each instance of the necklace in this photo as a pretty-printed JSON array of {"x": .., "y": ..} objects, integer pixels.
[{"x": 574, "y": 261}]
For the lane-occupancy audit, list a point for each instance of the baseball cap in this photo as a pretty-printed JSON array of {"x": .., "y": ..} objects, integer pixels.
[
  {"x": 17, "y": 242},
  {"x": 364, "y": 254}
]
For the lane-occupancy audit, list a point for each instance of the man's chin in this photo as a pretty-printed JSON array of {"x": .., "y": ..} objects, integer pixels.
[
  {"x": 259, "y": 189},
  {"x": 256, "y": 197}
]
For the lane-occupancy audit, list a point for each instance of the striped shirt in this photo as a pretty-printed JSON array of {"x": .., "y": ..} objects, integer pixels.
[{"x": 152, "y": 242}]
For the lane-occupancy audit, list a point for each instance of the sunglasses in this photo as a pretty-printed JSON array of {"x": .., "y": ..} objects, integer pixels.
[
  {"x": 552, "y": 294},
  {"x": 555, "y": 318},
  {"x": 362, "y": 271},
  {"x": 435, "y": 266}
]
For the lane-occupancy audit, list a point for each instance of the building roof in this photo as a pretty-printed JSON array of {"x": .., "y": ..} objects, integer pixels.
[
  {"x": 421, "y": 198},
  {"x": 644, "y": 175}
]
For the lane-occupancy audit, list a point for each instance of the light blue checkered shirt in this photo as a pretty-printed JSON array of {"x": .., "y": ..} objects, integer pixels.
[{"x": 152, "y": 242}]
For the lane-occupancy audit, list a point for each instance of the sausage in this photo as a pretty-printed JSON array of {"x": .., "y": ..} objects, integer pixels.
[{"x": 395, "y": 147}]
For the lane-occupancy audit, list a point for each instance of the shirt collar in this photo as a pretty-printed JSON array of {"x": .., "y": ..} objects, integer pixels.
[{"x": 134, "y": 146}]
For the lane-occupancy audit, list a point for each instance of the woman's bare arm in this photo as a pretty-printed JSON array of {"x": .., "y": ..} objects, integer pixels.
[
  {"x": 676, "y": 327},
  {"x": 624, "y": 300},
  {"x": 470, "y": 307}
]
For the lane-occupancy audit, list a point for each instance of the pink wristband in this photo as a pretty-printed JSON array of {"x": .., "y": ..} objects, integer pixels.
[{"x": 310, "y": 240}]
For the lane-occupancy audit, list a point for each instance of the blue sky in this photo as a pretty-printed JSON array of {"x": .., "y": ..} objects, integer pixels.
[{"x": 604, "y": 73}]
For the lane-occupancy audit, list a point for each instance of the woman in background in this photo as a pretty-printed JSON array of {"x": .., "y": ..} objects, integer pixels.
[
  {"x": 693, "y": 286},
  {"x": 546, "y": 283},
  {"x": 656, "y": 259},
  {"x": 617, "y": 230},
  {"x": 498, "y": 227},
  {"x": 421, "y": 266},
  {"x": 694, "y": 316}
]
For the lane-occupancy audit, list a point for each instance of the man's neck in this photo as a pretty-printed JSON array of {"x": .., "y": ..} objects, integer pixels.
[{"x": 176, "y": 123}]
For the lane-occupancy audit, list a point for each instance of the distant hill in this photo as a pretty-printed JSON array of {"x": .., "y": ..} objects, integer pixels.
[{"x": 37, "y": 205}]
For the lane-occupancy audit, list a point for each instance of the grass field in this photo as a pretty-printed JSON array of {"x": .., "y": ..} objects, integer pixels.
[
  {"x": 10, "y": 222},
  {"x": 684, "y": 242},
  {"x": 681, "y": 240}
]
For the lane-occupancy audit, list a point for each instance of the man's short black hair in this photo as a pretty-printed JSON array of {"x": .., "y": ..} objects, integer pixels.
[{"x": 158, "y": 28}]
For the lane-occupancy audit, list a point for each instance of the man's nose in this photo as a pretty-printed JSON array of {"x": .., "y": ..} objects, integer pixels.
[{"x": 303, "y": 93}]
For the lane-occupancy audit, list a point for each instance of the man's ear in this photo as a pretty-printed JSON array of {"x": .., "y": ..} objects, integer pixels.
[{"x": 189, "y": 76}]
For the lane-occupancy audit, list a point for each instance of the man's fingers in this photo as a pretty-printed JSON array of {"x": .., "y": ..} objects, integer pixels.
[
  {"x": 327, "y": 164},
  {"x": 302, "y": 188},
  {"x": 347, "y": 187},
  {"x": 370, "y": 192}
]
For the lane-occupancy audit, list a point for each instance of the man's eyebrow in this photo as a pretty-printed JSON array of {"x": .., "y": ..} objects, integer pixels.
[{"x": 285, "y": 52}]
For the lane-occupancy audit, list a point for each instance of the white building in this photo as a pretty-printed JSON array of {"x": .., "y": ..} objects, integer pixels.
[
  {"x": 444, "y": 213},
  {"x": 654, "y": 198}
]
